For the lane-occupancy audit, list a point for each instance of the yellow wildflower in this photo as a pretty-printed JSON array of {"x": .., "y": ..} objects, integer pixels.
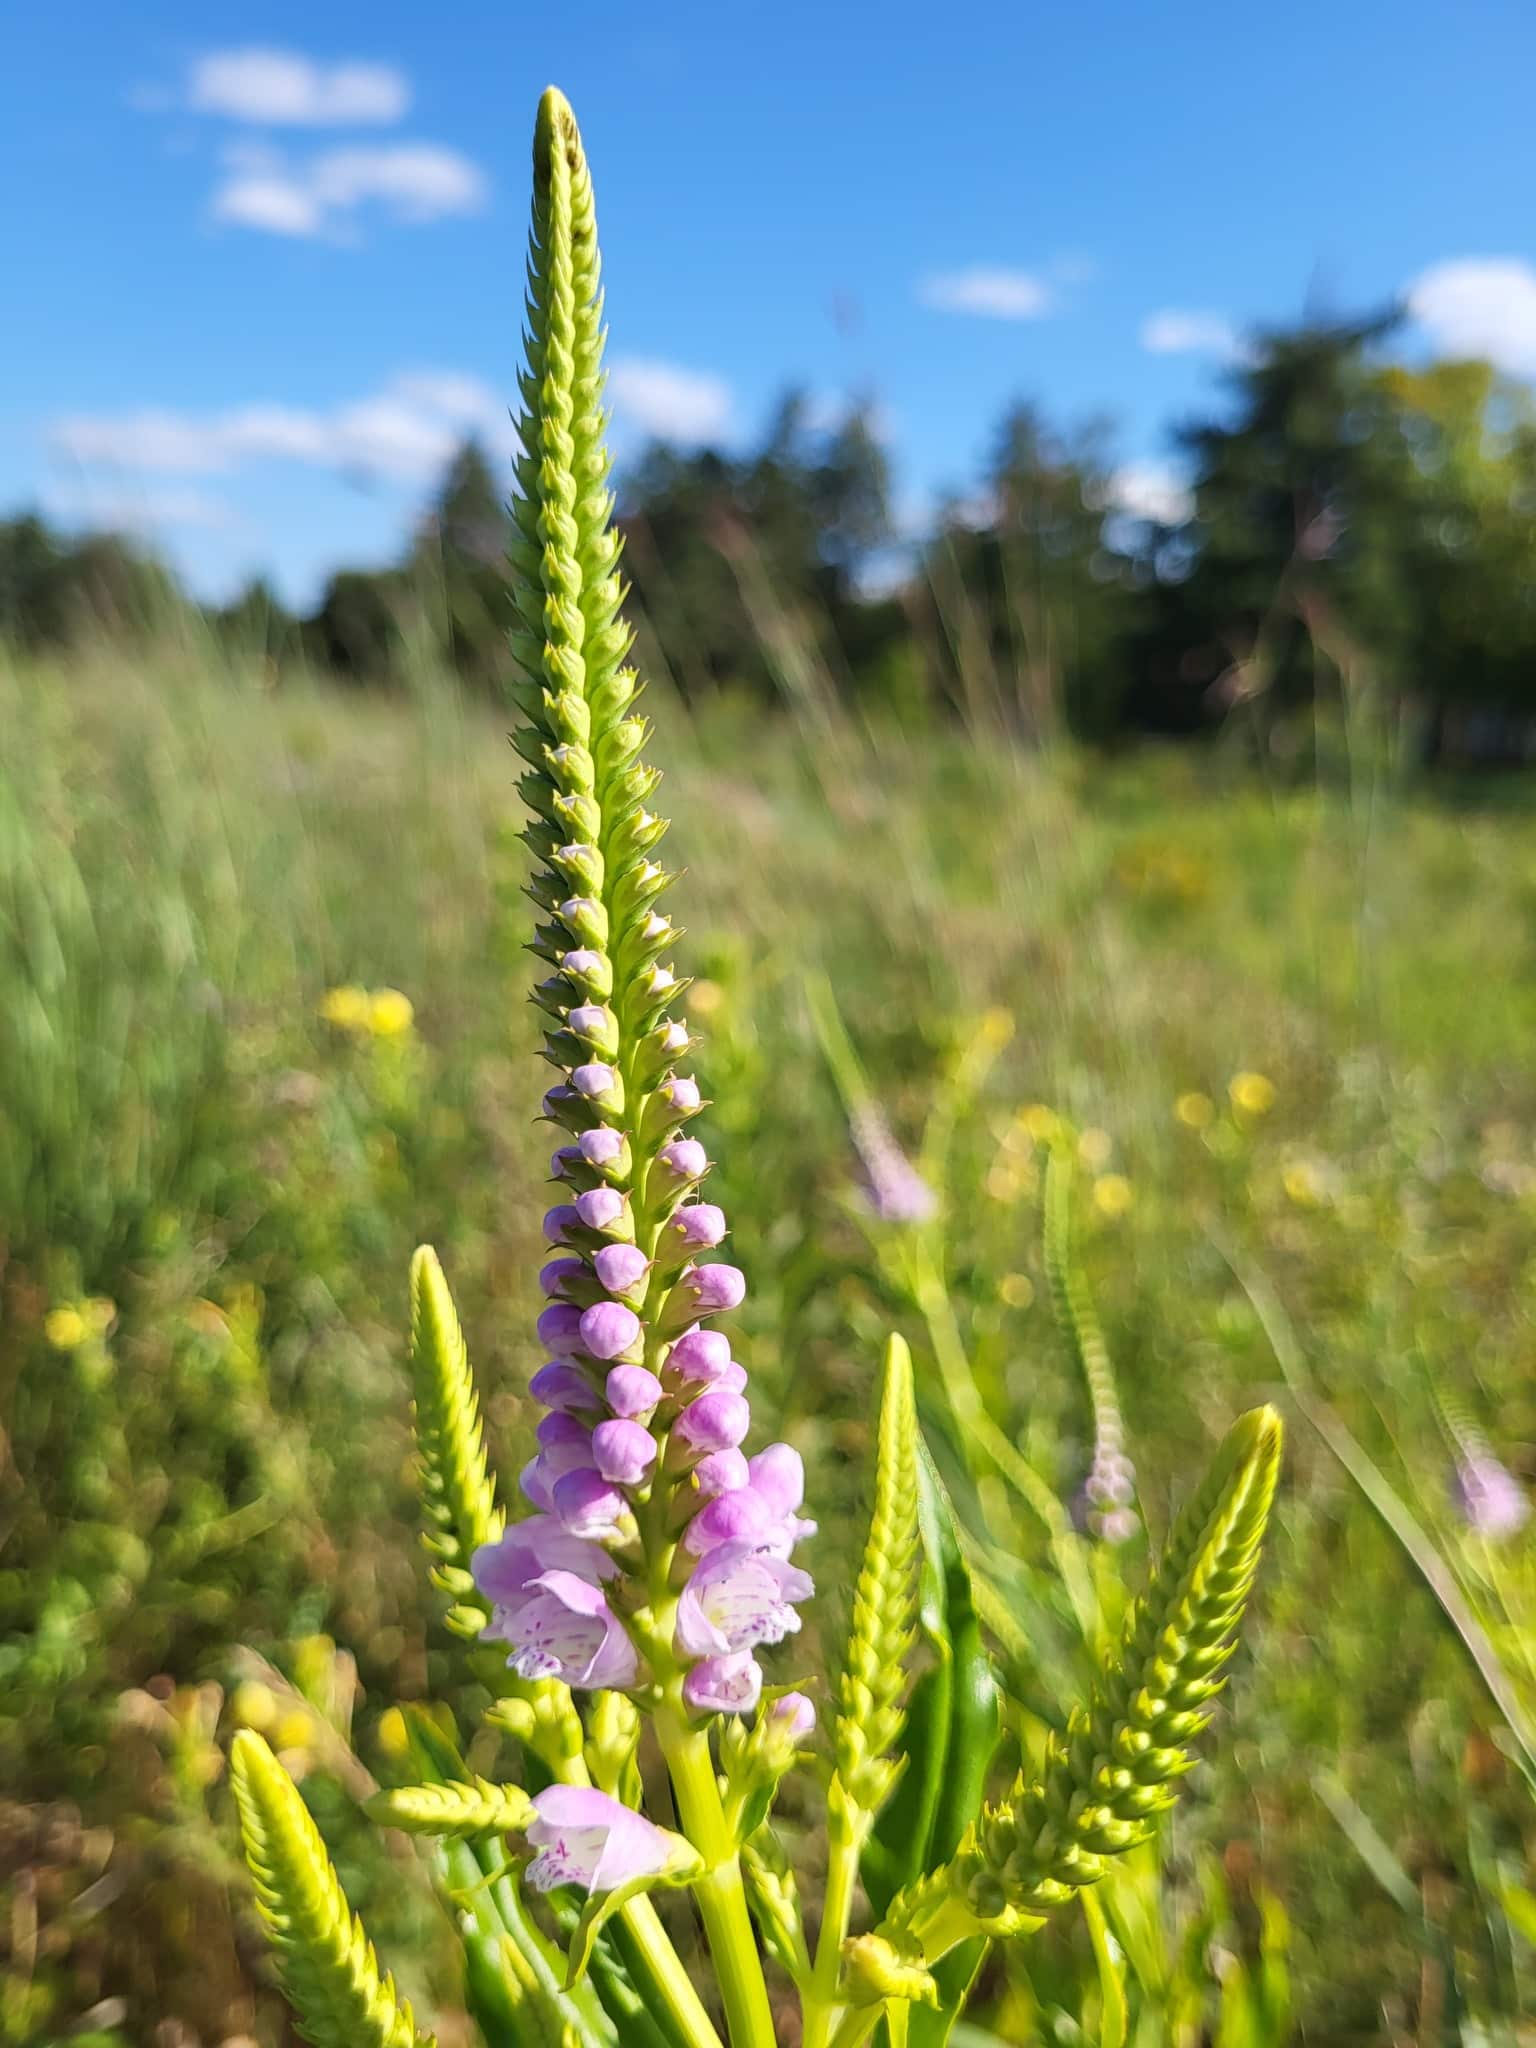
[
  {"x": 1194, "y": 1110},
  {"x": 346, "y": 1008},
  {"x": 1301, "y": 1183},
  {"x": 394, "y": 1737},
  {"x": 1094, "y": 1148},
  {"x": 253, "y": 1705},
  {"x": 704, "y": 998},
  {"x": 1112, "y": 1194},
  {"x": 1016, "y": 1289},
  {"x": 65, "y": 1328},
  {"x": 1252, "y": 1094},
  {"x": 390, "y": 1014},
  {"x": 996, "y": 1027},
  {"x": 294, "y": 1730},
  {"x": 1041, "y": 1122}
]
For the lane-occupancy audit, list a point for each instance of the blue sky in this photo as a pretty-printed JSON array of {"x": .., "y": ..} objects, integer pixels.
[{"x": 264, "y": 263}]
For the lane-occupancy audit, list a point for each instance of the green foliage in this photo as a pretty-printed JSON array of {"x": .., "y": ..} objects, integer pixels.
[{"x": 324, "y": 1957}]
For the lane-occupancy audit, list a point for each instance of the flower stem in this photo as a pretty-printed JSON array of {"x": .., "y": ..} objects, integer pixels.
[
  {"x": 666, "y": 1979},
  {"x": 821, "y": 2005},
  {"x": 720, "y": 1893}
]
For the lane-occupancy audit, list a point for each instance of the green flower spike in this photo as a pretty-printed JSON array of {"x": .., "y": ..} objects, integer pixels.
[
  {"x": 324, "y": 1958},
  {"x": 1118, "y": 1766},
  {"x": 458, "y": 1496}
]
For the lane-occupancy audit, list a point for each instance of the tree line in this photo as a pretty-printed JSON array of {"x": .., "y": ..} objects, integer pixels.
[{"x": 1355, "y": 529}]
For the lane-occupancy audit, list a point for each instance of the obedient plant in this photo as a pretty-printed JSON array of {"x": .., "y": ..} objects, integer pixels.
[{"x": 634, "y": 1605}]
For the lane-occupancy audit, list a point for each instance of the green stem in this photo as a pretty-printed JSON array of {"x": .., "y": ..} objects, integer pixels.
[
  {"x": 665, "y": 1978},
  {"x": 720, "y": 1893},
  {"x": 821, "y": 2004},
  {"x": 858, "y": 2023}
]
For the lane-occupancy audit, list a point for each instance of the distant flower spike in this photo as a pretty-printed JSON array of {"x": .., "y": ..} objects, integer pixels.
[
  {"x": 457, "y": 1493},
  {"x": 1109, "y": 1491}
]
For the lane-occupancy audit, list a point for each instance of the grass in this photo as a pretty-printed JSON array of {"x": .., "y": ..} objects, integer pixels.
[{"x": 208, "y": 1196}]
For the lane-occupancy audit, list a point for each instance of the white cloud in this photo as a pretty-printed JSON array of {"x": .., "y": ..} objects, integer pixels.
[
  {"x": 672, "y": 403},
  {"x": 282, "y": 87},
  {"x": 409, "y": 181},
  {"x": 1175, "y": 333},
  {"x": 1480, "y": 306},
  {"x": 993, "y": 294},
  {"x": 140, "y": 511},
  {"x": 1151, "y": 490},
  {"x": 404, "y": 433}
]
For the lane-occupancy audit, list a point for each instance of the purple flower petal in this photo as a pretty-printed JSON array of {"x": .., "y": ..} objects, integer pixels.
[
  {"x": 503, "y": 1571},
  {"x": 738, "y": 1597},
  {"x": 554, "y": 1274},
  {"x": 557, "y": 1221},
  {"x": 585, "y": 1838},
  {"x": 599, "y": 1208},
  {"x": 559, "y": 1328},
  {"x": 684, "y": 1159},
  {"x": 713, "y": 1290},
  {"x": 564, "y": 1628},
  {"x": 794, "y": 1714},
  {"x": 602, "y": 1146},
  {"x": 778, "y": 1474}
]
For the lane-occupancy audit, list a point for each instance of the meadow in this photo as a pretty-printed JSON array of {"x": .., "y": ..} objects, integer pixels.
[{"x": 263, "y": 1029}]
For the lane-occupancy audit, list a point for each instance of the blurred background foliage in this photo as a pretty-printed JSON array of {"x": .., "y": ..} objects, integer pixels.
[{"x": 1270, "y": 1000}]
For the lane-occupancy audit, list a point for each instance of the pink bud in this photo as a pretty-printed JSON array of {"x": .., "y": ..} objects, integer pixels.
[
  {"x": 720, "y": 1472},
  {"x": 733, "y": 1380},
  {"x": 595, "y": 1079},
  {"x": 714, "y": 1422},
  {"x": 737, "y": 1517},
  {"x": 621, "y": 1267},
  {"x": 681, "y": 1094},
  {"x": 600, "y": 1147},
  {"x": 588, "y": 1020},
  {"x": 587, "y": 1504},
  {"x": 623, "y": 1451},
  {"x": 700, "y": 1356},
  {"x": 563, "y": 1386},
  {"x": 778, "y": 1474},
  {"x": 554, "y": 1275},
  {"x": 609, "y": 1329},
  {"x": 732, "y": 1684},
  {"x": 714, "y": 1290},
  {"x": 559, "y": 1328},
  {"x": 632, "y": 1391},
  {"x": 599, "y": 1208},
  {"x": 558, "y": 1220},
  {"x": 683, "y": 1159},
  {"x": 697, "y": 1228},
  {"x": 794, "y": 1714},
  {"x": 580, "y": 962}
]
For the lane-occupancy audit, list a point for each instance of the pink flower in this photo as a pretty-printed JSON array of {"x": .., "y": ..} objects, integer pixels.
[
  {"x": 742, "y": 1516},
  {"x": 585, "y": 1838},
  {"x": 732, "y": 1684},
  {"x": 738, "y": 1597},
  {"x": 564, "y": 1628},
  {"x": 684, "y": 1159},
  {"x": 711, "y": 1290},
  {"x": 599, "y": 1208},
  {"x": 503, "y": 1571}
]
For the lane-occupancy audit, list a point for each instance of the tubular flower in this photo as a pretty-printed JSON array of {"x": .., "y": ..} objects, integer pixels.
[{"x": 640, "y": 1480}]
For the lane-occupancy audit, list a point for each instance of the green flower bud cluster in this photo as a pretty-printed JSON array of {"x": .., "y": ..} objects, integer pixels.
[{"x": 1123, "y": 1753}]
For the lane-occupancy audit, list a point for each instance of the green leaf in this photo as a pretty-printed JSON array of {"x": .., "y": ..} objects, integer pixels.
[
  {"x": 684, "y": 1867},
  {"x": 1114, "y": 2013}
]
